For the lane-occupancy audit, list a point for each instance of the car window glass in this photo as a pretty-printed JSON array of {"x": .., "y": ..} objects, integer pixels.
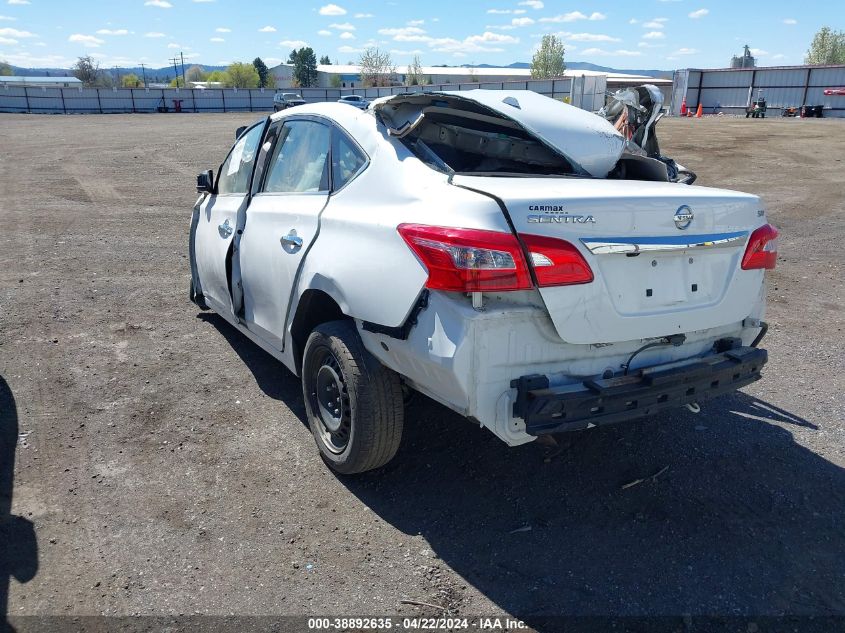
[
  {"x": 300, "y": 159},
  {"x": 237, "y": 170},
  {"x": 347, "y": 159}
]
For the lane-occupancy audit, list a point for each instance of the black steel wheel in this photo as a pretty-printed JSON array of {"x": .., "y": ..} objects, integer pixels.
[{"x": 354, "y": 404}]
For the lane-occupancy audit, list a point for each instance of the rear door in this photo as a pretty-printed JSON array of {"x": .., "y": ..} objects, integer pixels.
[
  {"x": 218, "y": 218},
  {"x": 282, "y": 221}
]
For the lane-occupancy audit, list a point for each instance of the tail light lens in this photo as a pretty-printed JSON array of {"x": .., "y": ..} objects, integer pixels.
[
  {"x": 556, "y": 262},
  {"x": 762, "y": 249},
  {"x": 468, "y": 260},
  {"x": 473, "y": 260}
]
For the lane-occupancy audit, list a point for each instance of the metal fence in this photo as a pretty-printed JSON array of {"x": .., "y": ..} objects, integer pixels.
[
  {"x": 586, "y": 92},
  {"x": 731, "y": 90}
]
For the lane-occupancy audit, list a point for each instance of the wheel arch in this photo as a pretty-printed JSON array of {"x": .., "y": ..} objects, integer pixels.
[{"x": 314, "y": 308}]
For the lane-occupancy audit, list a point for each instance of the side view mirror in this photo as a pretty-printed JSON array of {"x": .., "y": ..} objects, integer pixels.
[
  {"x": 239, "y": 131},
  {"x": 205, "y": 182}
]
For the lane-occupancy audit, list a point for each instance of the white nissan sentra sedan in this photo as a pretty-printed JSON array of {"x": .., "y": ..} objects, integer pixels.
[{"x": 532, "y": 266}]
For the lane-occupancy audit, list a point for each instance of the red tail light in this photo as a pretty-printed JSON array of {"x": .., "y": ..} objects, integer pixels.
[
  {"x": 556, "y": 262},
  {"x": 473, "y": 260},
  {"x": 468, "y": 260},
  {"x": 762, "y": 249}
]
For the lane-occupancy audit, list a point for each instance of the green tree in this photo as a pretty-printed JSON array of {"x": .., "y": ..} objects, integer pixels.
[
  {"x": 304, "y": 66},
  {"x": 414, "y": 76},
  {"x": 263, "y": 72},
  {"x": 5, "y": 69},
  {"x": 218, "y": 76},
  {"x": 87, "y": 71},
  {"x": 548, "y": 60},
  {"x": 827, "y": 47},
  {"x": 334, "y": 81},
  {"x": 131, "y": 81},
  {"x": 325, "y": 61},
  {"x": 242, "y": 75}
]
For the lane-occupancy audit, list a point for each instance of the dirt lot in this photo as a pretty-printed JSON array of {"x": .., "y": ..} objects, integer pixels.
[{"x": 158, "y": 463}]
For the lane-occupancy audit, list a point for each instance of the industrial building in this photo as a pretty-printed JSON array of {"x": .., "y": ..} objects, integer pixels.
[
  {"x": 732, "y": 90},
  {"x": 349, "y": 76},
  {"x": 40, "y": 82}
]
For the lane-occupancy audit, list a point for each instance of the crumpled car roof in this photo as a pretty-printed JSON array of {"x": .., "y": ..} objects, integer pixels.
[{"x": 588, "y": 141}]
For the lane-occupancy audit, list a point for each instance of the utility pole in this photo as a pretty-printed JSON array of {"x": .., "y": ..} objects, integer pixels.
[
  {"x": 144, "y": 72},
  {"x": 184, "y": 83},
  {"x": 175, "y": 71}
]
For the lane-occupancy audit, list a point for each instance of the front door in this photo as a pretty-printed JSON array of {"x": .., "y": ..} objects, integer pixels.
[
  {"x": 282, "y": 221},
  {"x": 218, "y": 219}
]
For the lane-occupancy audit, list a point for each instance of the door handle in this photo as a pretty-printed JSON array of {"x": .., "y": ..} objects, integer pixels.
[
  {"x": 225, "y": 229},
  {"x": 291, "y": 242}
]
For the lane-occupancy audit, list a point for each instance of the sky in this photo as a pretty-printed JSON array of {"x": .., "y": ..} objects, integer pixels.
[{"x": 660, "y": 34}]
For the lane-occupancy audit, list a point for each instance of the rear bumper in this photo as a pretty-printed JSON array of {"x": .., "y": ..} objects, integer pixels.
[{"x": 591, "y": 403}]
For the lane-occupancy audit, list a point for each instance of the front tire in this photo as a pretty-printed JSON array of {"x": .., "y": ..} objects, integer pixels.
[{"x": 353, "y": 402}]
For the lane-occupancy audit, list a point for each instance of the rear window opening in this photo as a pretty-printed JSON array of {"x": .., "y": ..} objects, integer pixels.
[{"x": 458, "y": 137}]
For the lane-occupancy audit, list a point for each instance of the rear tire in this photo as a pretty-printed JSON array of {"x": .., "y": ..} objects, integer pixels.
[{"x": 353, "y": 402}]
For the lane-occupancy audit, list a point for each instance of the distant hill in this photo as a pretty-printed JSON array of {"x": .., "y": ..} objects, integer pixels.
[{"x": 164, "y": 74}]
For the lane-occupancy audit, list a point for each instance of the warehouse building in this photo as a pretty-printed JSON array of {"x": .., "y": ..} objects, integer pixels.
[
  {"x": 732, "y": 90},
  {"x": 349, "y": 76},
  {"x": 40, "y": 82}
]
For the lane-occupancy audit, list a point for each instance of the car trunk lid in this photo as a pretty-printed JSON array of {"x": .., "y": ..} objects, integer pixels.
[{"x": 665, "y": 257}]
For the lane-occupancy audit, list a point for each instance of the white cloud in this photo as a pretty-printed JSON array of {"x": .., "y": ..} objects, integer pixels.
[
  {"x": 222, "y": 29},
  {"x": 18, "y": 1},
  {"x": 217, "y": 39},
  {"x": 621, "y": 52},
  {"x": 267, "y": 29},
  {"x": 364, "y": 15},
  {"x": 406, "y": 34},
  {"x": 346, "y": 35},
  {"x": 573, "y": 16},
  {"x": 790, "y": 21},
  {"x": 8, "y": 41},
  {"x": 653, "y": 24},
  {"x": 174, "y": 45},
  {"x": 779, "y": 56},
  {"x": 112, "y": 32},
  {"x": 15, "y": 33},
  {"x": 324, "y": 32},
  {"x": 759, "y": 52},
  {"x": 332, "y": 9},
  {"x": 293, "y": 43},
  {"x": 349, "y": 49},
  {"x": 78, "y": 38},
  {"x": 506, "y": 11},
  {"x": 522, "y": 22},
  {"x": 416, "y": 22},
  {"x": 685, "y": 51},
  {"x": 154, "y": 34},
  {"x": 654, "y": 35},
  {"x": 346, "y": 26},
  {"x": 649, "y": 45},
  {"x": 700, "y": 13},
  {"x": 534, "y": 4},
  {"x": 161, "y": 4},
  {"x": 590, "y": 37},
  {"x": 7, "y": 17},
  {"x": 633, "y": 21}
]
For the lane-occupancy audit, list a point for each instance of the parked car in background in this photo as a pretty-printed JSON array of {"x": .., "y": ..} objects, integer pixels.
[
  {"x": 355, "y": 100},
  {"x": 285, "y": 100},
  {"x": 519, "y": 260}
]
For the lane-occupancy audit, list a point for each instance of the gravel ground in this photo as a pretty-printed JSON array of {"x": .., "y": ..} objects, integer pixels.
[{"x": 157, "y": 461}]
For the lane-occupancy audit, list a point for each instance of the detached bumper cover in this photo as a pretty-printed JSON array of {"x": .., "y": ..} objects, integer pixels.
[{"x": 594, "y": 402}]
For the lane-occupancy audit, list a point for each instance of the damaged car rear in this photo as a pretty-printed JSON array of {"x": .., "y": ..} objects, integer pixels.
[{"x": 532, "y": 266}]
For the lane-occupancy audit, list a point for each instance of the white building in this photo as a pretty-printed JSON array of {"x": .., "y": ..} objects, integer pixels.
[
  {"x": 349, "y": 76},
  {"x": 40, "y": 82}
]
